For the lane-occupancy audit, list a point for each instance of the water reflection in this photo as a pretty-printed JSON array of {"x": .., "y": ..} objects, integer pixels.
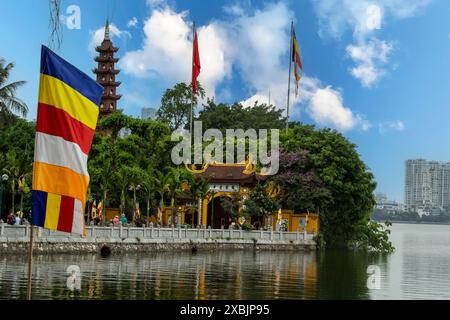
[
  {"x": 418, "y": 269},
  {"x": 216, "y": 275}
]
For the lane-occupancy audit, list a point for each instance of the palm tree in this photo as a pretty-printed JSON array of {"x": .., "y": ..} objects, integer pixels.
[
  {"x": 149, "y": 189},
  {"x": 9, "y": 103},
  {"x": 135, "y": 180},
  {"x": 122, "y": 178},
  {"x": 177, "y": 178},
  {"x": 15, "y": 171},
  {"x": 23, "y": 189},
  {"x": 162, "y": 186},
  {"x": 203, "y": 192}
]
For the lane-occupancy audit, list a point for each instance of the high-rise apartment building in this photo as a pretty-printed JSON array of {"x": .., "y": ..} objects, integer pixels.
[{"x": 427, "y": 183}]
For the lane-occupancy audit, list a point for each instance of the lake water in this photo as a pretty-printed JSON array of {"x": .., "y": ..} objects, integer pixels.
[{"x": 419, "y": 269}]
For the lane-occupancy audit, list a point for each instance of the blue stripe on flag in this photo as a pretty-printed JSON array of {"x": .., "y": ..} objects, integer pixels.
[
  {"x": 55, "y": 66},
  {"x": 38, "y": 207}
]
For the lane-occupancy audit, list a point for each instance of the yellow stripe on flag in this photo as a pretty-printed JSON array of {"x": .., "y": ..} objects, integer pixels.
[
  {"x": 52, "y": 213},
  {"x": 59, "y": 180},
  {"x": 56, "y": 93}
]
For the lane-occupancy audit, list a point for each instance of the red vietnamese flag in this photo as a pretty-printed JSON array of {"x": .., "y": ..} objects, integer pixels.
[{"x": 195, "y": 64}]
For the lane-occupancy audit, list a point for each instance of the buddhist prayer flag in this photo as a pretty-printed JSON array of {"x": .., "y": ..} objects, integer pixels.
[
  {"x": 100, "y": 210},
  {"x": 297, "y": 61},
  {"x": 66, "y": 120},
  {"x": 94, "y": 210},
  {"x": 195, "y": 63}
]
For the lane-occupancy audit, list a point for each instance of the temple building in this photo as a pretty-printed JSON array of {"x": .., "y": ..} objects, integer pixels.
[
  {"x": 106, "y": 74},
  {"x": 231, "y": 181}
]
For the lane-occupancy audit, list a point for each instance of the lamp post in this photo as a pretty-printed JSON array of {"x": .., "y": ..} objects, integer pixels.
[{"x": 4, "y": 178}]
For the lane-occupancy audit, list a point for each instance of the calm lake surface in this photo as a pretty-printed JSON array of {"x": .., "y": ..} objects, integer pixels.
[{"x": 419, "y": 269}]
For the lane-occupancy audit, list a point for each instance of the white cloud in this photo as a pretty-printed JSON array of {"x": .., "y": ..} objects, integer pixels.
[
  {"x": 324, "y": 105},
  {"x": 363, "y": 18},
  {"x": 396, "y": 125},
  {"x": 98, "y": 35},
  {"x": 167, "y": 51},
  {"x": 367, "y": 56},
  {"x": 132, "y": 23},
  {"x": 326, "y": 108}
]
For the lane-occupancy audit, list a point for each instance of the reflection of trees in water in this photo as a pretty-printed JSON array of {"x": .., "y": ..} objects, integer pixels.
[
  {"x": 205, "y": 275},
  {"x": 342, "y": 274}
]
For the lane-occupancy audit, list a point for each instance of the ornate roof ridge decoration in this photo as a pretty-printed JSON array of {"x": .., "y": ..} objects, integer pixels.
[{"x": 249, "y": 167}]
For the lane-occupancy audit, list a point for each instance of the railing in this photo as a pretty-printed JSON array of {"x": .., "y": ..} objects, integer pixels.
[{"x": 21, "y": 233}]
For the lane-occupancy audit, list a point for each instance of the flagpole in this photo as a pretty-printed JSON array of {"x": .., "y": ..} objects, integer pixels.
[
  {"x": 289, "y": 79},
  {"x": 192, "y": 84},
  {"x": 30, "y": 262}
]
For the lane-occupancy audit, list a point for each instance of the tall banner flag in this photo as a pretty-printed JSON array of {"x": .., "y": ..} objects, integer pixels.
[
  {"x": 195, "y": 63},
  {"x": 66, "y": 120},
  {"x": 297, "y": 61}
]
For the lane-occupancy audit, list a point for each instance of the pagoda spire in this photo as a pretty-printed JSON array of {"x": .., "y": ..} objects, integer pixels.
[
  {"x": 106, "y": 73},
  {"x": 107, "y": 30}
]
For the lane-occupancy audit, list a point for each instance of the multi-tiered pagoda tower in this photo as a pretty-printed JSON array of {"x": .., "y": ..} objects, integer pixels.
[{"x": 106, "y": 74}]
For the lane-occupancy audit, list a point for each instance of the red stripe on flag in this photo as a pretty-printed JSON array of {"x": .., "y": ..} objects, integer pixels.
[
  {"x": 66, "y": 214},
  {"x": 57, "y": 122}
]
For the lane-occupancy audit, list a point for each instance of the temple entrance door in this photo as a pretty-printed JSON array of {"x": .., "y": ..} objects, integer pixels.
[{"x": 221, "y": 218}]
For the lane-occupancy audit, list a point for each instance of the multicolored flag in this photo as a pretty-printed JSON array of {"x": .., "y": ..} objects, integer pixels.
[
  {"x": 94, "y": 210},
  {"x": 195, "y": 63},
  {"x": 297, "y": 61},
  {"x": 66, "y": 120},
  {"x": 100, "y": 210}
]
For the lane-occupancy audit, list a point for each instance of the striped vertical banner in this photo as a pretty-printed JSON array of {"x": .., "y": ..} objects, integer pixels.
[{"x": 66, "y": 120}]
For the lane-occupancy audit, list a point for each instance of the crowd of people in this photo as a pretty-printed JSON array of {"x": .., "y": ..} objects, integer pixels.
[{"x": 15, "y": 219}]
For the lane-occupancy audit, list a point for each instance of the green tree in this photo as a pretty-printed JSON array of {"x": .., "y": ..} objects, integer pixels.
[
  {"x": 231, "y": 205},
  {"x": 149, "y": 189},
  {"x": 236, "y": 116},
  {"x": 178, "y": 176},
  {"x": 162, "y": 186},
  {"x": 17, "y": 171},
  {"x": 346, "y": 214},
  {"x": 260, "y": 204},
  {"x": 176, "y": 105},
  {"x": 136, "y": 176},
  {"x": 113, "y": 123},
  {"x": 9, "y": 102}
]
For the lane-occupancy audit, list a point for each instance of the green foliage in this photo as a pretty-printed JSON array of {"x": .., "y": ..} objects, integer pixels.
[
  {"x": 260, "y": 203},
  {"x": 247, "y": 226},
  {"x": 231, "y": 205},
  {"x": 349, "y": 183},
  {"x": 224, "y": 116},
  {"x": 176, "y": 105},
  {"x": 374, "y": 236},
  {"x": 10, "y": 104}
]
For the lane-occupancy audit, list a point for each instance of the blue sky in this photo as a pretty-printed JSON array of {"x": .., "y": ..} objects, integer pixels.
[{"x": 376, "y": 70}]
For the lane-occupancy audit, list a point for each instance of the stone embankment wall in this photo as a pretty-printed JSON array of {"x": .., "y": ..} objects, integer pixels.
[{"x": 14, "y": 239}]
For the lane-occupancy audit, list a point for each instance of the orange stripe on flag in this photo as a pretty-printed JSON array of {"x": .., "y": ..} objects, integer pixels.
[{"x": 59, "y": 180}]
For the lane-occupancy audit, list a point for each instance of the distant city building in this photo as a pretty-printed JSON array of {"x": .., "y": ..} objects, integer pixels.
[
  {"x": 148, "y": 113},
  {"x": 427, "y": 184},
  {"x": 383, "y": 203}
]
